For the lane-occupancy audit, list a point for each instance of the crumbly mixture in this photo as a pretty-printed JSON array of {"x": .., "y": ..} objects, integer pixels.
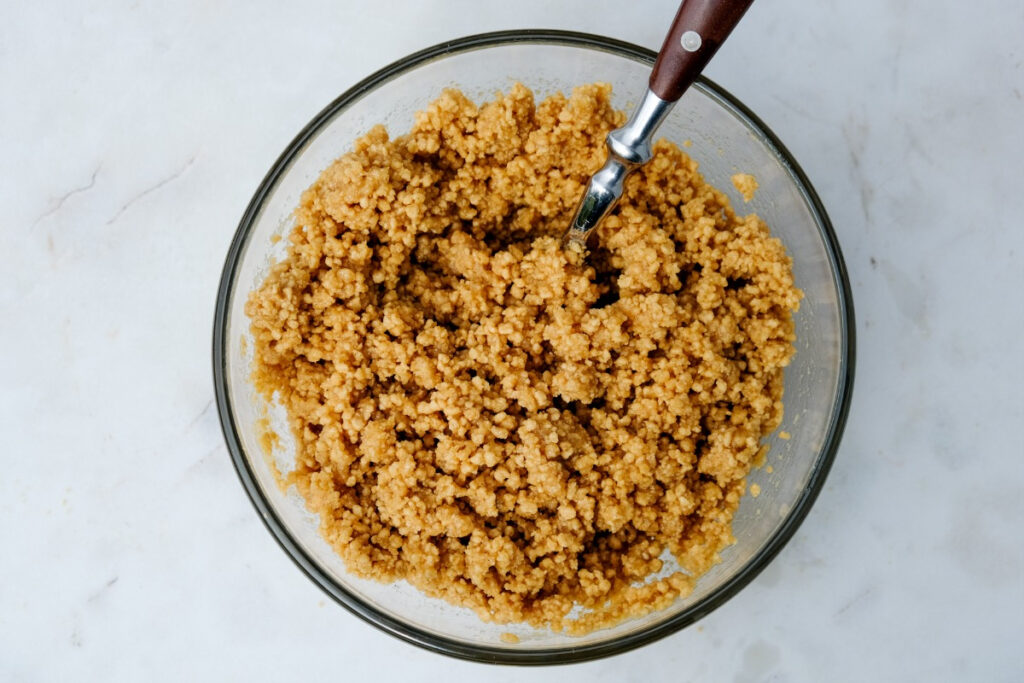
[
  {"x": 746, "y": 184},
  {"x": 497, "y": 421}
]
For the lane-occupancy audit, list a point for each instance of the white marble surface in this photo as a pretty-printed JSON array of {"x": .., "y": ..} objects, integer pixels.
[{"x": 132, "y": 137}]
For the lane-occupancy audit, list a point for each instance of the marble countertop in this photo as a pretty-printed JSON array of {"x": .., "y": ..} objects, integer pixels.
[{"x": 133, "y": 136}]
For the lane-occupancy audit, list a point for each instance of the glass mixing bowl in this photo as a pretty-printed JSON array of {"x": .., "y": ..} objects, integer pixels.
[{"x": 726, "y": 138}]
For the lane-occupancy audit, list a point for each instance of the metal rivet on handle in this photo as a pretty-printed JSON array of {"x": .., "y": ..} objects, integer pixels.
[{"x": 690, "y": 41}]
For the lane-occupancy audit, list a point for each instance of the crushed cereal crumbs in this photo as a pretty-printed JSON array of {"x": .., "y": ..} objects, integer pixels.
[
  {"x": 746, "y": 184},
  {"x": 502, "y": 424}
]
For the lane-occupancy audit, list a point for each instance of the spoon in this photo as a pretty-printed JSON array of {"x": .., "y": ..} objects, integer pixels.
[{"x": 699, "y": 29}]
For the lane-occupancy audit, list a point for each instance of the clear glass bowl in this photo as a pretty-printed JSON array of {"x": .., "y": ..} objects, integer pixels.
[{"x": 726, "y": 138}]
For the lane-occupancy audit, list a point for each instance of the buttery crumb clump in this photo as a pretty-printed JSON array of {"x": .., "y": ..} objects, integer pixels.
[
  {"x": 746, "y": 184},
  {"x": 507, "y": 425}
]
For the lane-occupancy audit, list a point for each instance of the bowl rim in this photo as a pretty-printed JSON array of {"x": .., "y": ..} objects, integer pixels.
[{"x": 555, "y": 655}]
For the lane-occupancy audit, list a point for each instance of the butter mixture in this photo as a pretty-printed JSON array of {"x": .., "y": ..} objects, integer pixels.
[{"x": 504, "y": 424}]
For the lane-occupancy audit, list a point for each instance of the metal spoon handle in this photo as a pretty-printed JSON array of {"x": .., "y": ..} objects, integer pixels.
[
  {"x": 629, "y": 148},
  {"x": 699, "y": 29},
  {"x": 697, "y": 32}
]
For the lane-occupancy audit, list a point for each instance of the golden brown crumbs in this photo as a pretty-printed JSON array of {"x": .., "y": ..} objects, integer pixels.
[
  {"x": 755, "y": 490},
  {"x": 785, "y": 436},
  {"x": 494, "y": 420},
  {"x": 269, "y": 440},
  {"x": 511, "y": 638},
  {"x": 760, "y": 456},
  {"x": 746, "y": 184},
  {"x": 266, "y": 436}
]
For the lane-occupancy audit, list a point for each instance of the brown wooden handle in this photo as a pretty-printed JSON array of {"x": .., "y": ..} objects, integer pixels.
[{"x": 699, "y": 29}]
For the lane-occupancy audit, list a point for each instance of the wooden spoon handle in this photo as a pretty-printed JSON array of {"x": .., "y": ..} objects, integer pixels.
[{"x": 699, "y": 29}]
